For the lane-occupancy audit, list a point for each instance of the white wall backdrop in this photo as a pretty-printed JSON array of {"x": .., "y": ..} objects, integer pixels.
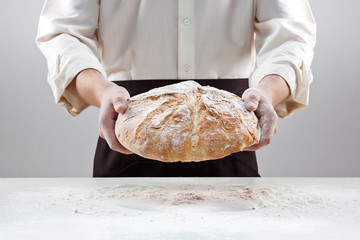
[{"x": 38, "y": 139}]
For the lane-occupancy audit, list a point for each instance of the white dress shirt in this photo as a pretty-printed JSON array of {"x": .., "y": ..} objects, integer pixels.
[{"x": 179, "y": 39}]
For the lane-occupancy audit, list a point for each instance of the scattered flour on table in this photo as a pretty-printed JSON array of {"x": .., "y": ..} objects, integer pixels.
[
  {"x": 171, "y": 208},
  {"x": 112, "y": 199},
  {"x": 188, "y": 194}
]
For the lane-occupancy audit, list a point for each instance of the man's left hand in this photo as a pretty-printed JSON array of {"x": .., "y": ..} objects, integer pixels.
[{"x": 257, "y": 101}]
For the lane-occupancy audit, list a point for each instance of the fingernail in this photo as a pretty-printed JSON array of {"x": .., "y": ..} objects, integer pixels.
[
  {"x": 251, "y": 104},
  {"x": 118, "y": 105}
]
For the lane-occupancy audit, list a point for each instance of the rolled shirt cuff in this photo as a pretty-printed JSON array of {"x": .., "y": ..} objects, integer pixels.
[
  {"x": 297, "y": 76},
  {"x": 64, "y": 70}
]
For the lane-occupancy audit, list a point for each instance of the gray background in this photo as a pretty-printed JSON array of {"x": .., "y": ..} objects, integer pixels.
[{"x": 38, "y": 139}]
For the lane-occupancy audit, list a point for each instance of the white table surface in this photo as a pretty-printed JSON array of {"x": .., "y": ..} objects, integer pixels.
[{"x": 180, "y": 208}]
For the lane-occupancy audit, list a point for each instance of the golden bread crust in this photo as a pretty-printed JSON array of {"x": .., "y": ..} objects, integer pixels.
[{"x": 186, "y": 122}]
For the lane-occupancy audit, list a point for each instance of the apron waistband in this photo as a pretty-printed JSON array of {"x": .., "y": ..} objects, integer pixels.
[{"x": 234, "y": 85}]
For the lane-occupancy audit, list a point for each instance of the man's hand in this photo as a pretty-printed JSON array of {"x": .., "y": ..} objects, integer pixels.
[
  {"x": 114, "y": 102},
  {"x": 91, "y": 86},
  {"x": 257, "y": 101},
  {"x": 270, "y": 92}
]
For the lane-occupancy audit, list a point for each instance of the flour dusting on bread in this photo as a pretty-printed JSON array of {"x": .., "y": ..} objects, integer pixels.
[{"x": 186, "y": 122}]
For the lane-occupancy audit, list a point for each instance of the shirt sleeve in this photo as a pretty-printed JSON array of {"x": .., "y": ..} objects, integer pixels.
[
  {"x": 285, "y": 35},
  {"x": 67, "y": 37}
]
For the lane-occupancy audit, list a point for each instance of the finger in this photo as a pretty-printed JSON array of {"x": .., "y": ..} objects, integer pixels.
[
  {"x": 251, "y": 99},
  {"x": 109, "y": 134},
  {"x": 268, "y": 128},
  {"x": 107, "y": 129},
  {"x": 253, "y": 148},
  {"x": 121, "y": 108},
  {"x": 120, "y": 104},
  {"x": 119, "y": 99},
  {"x": 268, "y": 123},
  {"x": 263, "y": 142}
]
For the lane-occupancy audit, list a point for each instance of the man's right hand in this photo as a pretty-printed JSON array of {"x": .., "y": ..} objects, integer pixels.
[
  {"x": 113, "y": 103},
  {"x": 91, "y": 86}
]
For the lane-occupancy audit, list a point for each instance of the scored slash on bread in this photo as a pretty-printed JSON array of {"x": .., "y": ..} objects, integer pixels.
[{"x": 186, "y": 122}]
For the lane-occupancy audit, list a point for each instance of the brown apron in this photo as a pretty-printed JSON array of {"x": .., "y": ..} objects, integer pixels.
[{"x": 108, "y": 163}]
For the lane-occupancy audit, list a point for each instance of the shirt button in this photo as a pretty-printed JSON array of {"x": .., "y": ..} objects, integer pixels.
[
  {"x": 186, "y": 22},
  {"x": 186, "y": 67}
]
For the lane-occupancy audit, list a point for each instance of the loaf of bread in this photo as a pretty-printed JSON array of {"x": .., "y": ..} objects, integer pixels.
[{"x": 186, "y": 122}]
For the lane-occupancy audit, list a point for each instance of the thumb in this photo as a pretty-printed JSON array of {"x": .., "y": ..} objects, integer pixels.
[
  {"x": 120, "y": 105},
  {"x": 251, "y": 99}
]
